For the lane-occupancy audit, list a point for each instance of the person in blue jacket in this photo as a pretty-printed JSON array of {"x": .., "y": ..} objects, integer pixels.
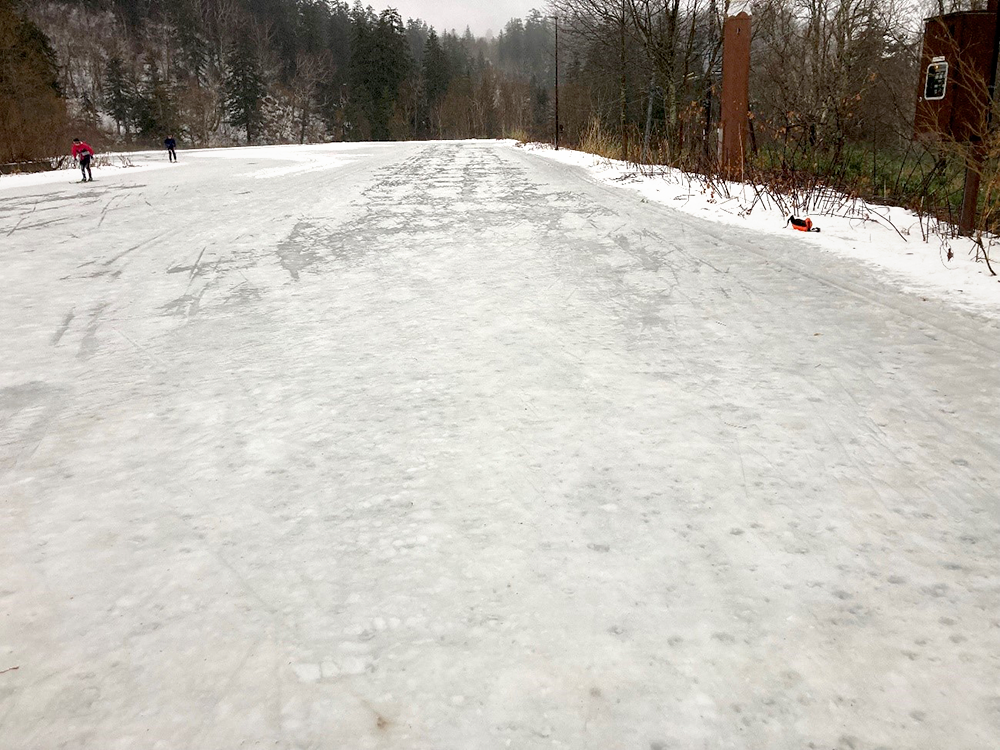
[{"x": 171, "y": 145}]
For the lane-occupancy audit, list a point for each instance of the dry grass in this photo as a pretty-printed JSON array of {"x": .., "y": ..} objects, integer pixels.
[{"x": 597, "y": 140}]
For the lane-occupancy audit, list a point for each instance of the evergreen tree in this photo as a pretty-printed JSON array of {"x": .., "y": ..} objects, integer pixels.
[
  {"x": 332, "y": 94},
  {"x": 510, "y": 45},
  {"x": 362, "y": 100},
  {"x": 117, "y": 97},
  {"x": 416, "y": 34},
  {"x": 540, "y": 105},
  {"x": 154, "y": 108},
  {"x": 388, "y": 68},
  {"x": 458, "y": 58},
  {"x": 185, "y": 16},
  {"x": 32, "y": 111},
  {"x": 245, "y": 88},
  {"x": 435, "y": 70},
  {"x": 380, "y": 62}
]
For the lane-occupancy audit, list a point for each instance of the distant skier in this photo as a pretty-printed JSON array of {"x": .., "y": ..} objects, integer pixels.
[
  {"x": 171, "y": 145},
  {"x": 83, "y": 153}
]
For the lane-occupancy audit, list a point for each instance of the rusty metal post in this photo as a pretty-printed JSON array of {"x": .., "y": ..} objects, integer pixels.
[{"x": 735, "y": 93}]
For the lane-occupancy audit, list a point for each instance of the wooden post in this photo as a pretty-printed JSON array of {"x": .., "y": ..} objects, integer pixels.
[{"x": 735, "y": 93}]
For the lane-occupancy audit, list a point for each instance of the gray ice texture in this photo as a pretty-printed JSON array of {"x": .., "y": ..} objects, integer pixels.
[{"x": 449, "y": 447}]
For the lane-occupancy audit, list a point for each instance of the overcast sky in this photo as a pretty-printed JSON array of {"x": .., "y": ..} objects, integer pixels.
[{"x": 480, "y": 15}]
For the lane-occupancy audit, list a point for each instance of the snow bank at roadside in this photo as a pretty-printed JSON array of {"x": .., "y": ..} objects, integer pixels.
[{"x": 891, "y": 241}]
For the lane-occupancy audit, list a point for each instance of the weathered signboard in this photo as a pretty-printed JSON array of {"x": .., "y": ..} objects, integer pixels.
[
  {"x": 953, "y": 98},
  {"x": 936, "y": 81}
]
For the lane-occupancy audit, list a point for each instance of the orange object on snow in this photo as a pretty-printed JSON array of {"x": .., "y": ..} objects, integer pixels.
[{"x": 802, "y": 225}]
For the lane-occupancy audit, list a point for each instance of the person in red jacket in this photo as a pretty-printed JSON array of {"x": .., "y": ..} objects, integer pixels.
[{"x": 83, "y": 154}]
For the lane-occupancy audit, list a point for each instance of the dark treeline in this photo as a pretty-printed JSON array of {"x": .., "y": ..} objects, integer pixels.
[
  {"x": 833, "y": 82},
  {"x": 216, "y": 72},
  {"x": 826, "y": 74},
  {"x": 640, "y": 78}
]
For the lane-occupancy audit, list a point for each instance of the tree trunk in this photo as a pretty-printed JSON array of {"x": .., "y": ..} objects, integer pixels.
[
  {"x": 624, "y": 88},
  {"x": 305, "y": 122},
  {"x": 649, "y": 120}
]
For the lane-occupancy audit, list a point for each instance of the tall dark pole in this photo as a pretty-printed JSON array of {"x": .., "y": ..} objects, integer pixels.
[{"x": 557, "y": 81}]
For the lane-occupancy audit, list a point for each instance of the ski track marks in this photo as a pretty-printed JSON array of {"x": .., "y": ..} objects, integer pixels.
[{"x": 445, "y": 445}]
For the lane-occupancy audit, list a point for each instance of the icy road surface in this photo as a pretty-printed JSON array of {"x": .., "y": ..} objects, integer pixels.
[{"x": 448, "y": 447}]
